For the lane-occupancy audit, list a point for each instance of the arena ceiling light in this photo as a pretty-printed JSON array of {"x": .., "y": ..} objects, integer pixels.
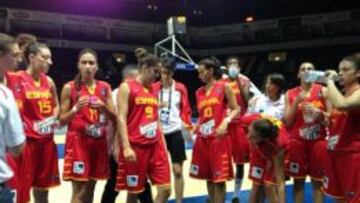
[
  {"x": 119, "y": 57},
  {"x": 277, "y": 57},
  {"x": 249, "y": 19}
]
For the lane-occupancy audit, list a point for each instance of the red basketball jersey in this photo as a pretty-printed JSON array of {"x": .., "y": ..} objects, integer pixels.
[
  {"x": 90, "y": 121},
  {"x": 38, "y": 105},
  {"x": 142, "y": 119},
  {"x": 13, "y": 83},
  {"x": 344, "y": 131},
  {"x": 304, "y": 126},
  {"x": 212, "y": 108}
]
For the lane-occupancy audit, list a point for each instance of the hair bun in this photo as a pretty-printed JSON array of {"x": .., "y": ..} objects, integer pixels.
[
  {"x": 141, "y": 53},
  {"x": 216, "y": 61}
]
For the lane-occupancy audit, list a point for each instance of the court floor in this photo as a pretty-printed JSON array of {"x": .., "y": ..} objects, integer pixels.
[{"x": 193, "y": 187}]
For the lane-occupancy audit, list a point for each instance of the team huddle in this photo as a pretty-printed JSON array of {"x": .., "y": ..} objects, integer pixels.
[{"x": 309, "y": 130}]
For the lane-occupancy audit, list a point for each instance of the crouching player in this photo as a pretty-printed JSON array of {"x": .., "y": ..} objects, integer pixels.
[{"x": 268, "y": 141}]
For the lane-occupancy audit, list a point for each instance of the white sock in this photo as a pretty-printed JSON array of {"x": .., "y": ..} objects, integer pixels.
[{"x": 237, "y": 189}]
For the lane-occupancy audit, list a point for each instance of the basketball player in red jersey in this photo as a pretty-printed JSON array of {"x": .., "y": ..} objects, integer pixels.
[
  {"x": 240, "y": 149},
  {"x": 305, "y": 115},
  {"x": 269, "y": 140},
  {"x": 37, "y": 92},
  {"x": 211, "y": 158},
  {"x": 342, "y": 180},
  {"x": 143, "y": 152},
  {"x": 87, "y": 107}
]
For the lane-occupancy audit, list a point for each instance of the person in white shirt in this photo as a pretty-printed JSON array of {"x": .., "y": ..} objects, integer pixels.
[
  {"x": 175, "y": 115},
  {"x": 272, "y": 103},
  {"x": 12, "y": 136},
  {"x": 11, "y": 131}
]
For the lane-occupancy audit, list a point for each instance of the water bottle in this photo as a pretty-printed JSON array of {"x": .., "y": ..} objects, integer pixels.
[{"x": 316, "y": 76}]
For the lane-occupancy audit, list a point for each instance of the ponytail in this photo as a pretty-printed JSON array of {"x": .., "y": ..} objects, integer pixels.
[{"x": 140, "y": 53}]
